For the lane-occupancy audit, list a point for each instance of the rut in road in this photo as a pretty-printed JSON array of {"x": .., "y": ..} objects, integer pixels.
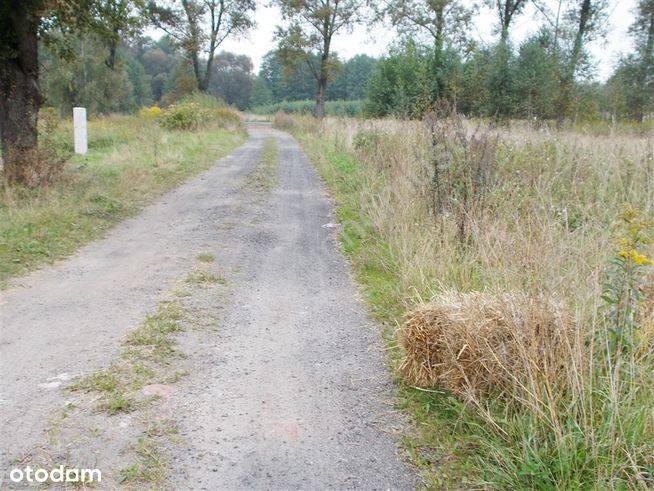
[{"x": 288, "y": 391}]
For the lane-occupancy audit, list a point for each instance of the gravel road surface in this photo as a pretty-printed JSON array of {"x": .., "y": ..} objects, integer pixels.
[{"x": 288, "y": 391}]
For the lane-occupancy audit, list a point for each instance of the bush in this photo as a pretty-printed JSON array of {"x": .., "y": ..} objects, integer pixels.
[
  {"x": 189, "y": 116},
  {"x": 197, "y": 111}
]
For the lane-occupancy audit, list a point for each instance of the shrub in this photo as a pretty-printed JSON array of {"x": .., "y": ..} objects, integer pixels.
[
  {"x": 197, "y": 111},
  {"x": 189, "y": 116}
]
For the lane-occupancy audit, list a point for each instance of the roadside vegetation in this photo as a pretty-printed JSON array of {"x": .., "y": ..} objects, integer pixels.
[
  {"x": 332, "y": 108},
  {"x": 134, "y": 388},
  {"x": 131, "y": 160},
  {"x": 566, "y": 216}
]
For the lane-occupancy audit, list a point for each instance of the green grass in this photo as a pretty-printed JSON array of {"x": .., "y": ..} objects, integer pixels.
[
  {"x": 151, "y": 468},
  {"x": 130, "y": 163},
  {"x": 148, "y": 352},
  {"x": 204, "y": 277}
]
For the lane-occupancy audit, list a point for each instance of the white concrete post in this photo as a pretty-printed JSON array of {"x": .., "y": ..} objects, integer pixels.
[{"x": 79, "y": 125}]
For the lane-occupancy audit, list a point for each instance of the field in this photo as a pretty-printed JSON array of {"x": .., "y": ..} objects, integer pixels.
[
  {"x": 448, "y": 206},
  {"x": 131, "y": 160}
]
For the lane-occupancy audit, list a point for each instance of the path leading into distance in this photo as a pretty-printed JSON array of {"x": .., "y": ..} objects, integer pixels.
[{"x": 289, "y": 391}]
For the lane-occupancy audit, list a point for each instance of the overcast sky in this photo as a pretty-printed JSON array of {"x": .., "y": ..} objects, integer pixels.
[{"x": 375, "y": 43}]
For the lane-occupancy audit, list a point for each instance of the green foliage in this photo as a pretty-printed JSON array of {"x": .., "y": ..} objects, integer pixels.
[
  {"x": 184, "y": 116},
  {"x": 631, "y": 88},
  {"x": 141, "y": 89},
  {"x": 186, "y": 22},
  {"x": 198, "y": 111},
  {"x": 87, "y": 81},
  {"x": 352, "y": 79},
  {"x": 500, "y": 83},
  {"x": 411, "y": 79},
  {"x": 536, "y": 77},
  {"x": 307, "y": 37},
  {"x": 400, "y": 85},
  {"x": 261, "y": 93},
  {"x": 232, "y": 79},
  {"x": 277, "y": 83}
]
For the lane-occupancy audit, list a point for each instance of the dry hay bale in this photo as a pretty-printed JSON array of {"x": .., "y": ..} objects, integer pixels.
[{"x": 475, "y": 344}]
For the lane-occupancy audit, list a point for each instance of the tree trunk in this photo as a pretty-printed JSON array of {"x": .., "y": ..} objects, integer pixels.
[
  {"x": 20, "y": 97},
  {"x": 323, "y": 76},
  {"x": 322, "y": 94},
  {"x": 204, "y": 85},
  {"x": 567, "y": 82}
]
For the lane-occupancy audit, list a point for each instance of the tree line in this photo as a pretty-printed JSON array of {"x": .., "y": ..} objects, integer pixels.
[
  {"x": 93, "y": 53},
  {"x": 547, "y": 76},
  {"x": 147, "y": 71}
]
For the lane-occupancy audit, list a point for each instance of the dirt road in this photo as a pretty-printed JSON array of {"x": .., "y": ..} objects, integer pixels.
[{"x": 289, "y": 390}]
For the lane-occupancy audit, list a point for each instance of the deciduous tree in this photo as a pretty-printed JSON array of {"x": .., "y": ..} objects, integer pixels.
[
  {"x": 200, "y": 26},
  {"x": 307, "y": 37},
  {"x": 23, "y": 23},
  {"x": 585, "y": 20}
]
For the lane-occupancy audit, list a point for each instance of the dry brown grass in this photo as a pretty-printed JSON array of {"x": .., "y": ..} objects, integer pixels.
[
  {"x": 482, "y": 344},
  {"x": 32, "y": 168},
  {"x": 569, "y": 408}
]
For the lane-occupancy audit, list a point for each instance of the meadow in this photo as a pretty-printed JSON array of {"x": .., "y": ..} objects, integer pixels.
[{"x": 448, "y": 206}]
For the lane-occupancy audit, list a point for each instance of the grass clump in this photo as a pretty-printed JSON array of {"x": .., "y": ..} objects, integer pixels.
[
  {"x": 263, "y": 178},
  {"x": 204, "y": 277},
  {"x": 113, "y": 385},
  {"x": 151, "y": 467},
  {"x": 205, "y": 257},
  {"x": 151, "y": 339},
  {"x": 147, "y": 352},
  {"x": 548, "y": 224}
]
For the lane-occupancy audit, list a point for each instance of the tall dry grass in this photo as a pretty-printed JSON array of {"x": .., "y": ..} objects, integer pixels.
[{"x": 545, "y": 228}]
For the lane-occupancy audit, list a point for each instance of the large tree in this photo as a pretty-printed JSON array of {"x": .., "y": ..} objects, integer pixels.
[
  {"x": 584, "y": 20},
  {"x": 307, "y": 37},
  {"x": 114, "y": 21},
  {"x": 233, "y": 79},
  {"x": 507, "y": 11},
  {"x": 445, "y": 22},
  {"x": 23, "y": 24},
  {"x": 441, "y": 20},
  {"x": 200, "y": 27}
]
